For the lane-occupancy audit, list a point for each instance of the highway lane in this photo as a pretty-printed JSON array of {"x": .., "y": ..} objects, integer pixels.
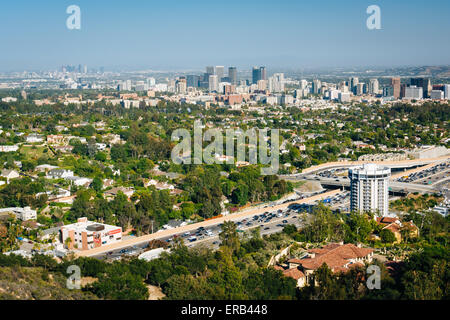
[
  {"x": 275, "y": 224},
  {"x": 138, "y": 241},
  {"x": 392, "y": 164},
  {"x": 394, "y": 185}
]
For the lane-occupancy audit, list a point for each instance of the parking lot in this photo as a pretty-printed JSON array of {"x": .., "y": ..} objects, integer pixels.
[{"x": 429, "y": 176}]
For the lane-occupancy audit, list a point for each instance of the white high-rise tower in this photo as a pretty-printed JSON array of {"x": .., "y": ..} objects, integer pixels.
[{"x": 369, "y": 185}]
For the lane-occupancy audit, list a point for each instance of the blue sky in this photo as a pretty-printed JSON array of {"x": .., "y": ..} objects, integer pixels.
[{"x": 194, "y": 33}]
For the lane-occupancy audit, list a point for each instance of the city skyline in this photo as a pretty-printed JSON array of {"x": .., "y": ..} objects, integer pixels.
[{"x": 286, "y": 34}]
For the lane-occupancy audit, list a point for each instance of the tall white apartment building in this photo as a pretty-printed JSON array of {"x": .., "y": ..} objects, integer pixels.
[
  {"x": 276, "y": 83},
  {"x": 369, "y": 185},
  {"x": 303, "y": 84}
]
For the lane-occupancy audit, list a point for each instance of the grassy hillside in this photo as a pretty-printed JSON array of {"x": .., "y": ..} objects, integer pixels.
[{"x": 26, "y": 283}]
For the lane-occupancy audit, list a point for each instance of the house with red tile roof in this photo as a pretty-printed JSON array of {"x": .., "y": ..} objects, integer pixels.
[
  {"x": 297, "y": 275},
  {"x": 338, "y": 257},
  {"x": 396, "y": 226}
]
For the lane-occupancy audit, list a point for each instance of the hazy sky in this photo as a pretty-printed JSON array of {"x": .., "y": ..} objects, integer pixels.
[{"x": 194, "y": 33}]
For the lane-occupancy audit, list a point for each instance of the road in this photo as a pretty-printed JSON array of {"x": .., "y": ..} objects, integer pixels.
[
  {"x": 394, "y": 185},
  {"x": 191, "y": 227},
  {"x": 391, "y": 164},
  {"x": 276, "y": 224}
]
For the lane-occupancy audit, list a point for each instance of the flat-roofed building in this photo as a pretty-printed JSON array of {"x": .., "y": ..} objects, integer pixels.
[{"x": 86, "y": 235}]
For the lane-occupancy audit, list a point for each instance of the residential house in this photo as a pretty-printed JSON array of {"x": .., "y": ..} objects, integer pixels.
[
  {"x": 338, "y": 257},
  {"x": 59, "y": 174},
  {"x": 10, "y": 174},
  {"x": 396, "y": 227},
  {"x": 112, "y": 193},
  {"x": 34, "y": 138}
]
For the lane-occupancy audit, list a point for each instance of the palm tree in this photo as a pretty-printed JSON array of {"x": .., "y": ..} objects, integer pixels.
[
  {"x": 68, "y": 242},
  {"x": 229, "y": 235}
]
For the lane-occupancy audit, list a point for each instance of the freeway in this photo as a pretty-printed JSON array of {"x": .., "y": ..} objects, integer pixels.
[
  {"x": 395, "y": 186},
  {"x": 136, "y": 241},
  {"x": 269, "y": 224},
  {"x": 391, "y": 164}
]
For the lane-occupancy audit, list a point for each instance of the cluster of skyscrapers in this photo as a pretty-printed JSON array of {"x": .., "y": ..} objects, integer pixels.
[{"x": 418, "y": 88}]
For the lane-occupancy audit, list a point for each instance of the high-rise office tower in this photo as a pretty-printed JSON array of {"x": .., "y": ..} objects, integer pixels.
[
  {"x": 263, "y": 73},
  {"x": 151, "y": 82},
  {"x": 395, "y": 84},
  {"x": 360, "y": 89},
  {"x": 210, "y": 70},
  {"x": 369, "y": 185},
  {"x": 213, "y": 83},
  {"x": 181, "y": 86},
  {"x": 373, "y": 86},
  {"x": 256, "y": 75},
  {"x": 232, "y": 75},
  {"x": 316, "y": 85},
  {"x": 414, "y": 92},
  {"x": 353, "y": 84},
  {"x": 424, "y": 83},
  {"x": 192, "y": 80},
  {"x": 303, "y": 84},
  {"x": 219, "y": 71},
  {"x": 447, "y": 91},
  {"x": 259, "y": 73}
]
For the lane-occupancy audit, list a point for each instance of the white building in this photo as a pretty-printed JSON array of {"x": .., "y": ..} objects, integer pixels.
[
  {"x": 344, "y": 96},
  {"x": 85, "y": 235},
  {"x": 334, "y": 94},
  {"x": 373, "y": 86},
  {"x": 59, "y": 174},
  {"x": 213, "y": 83},
  {"x": 437, "y": 95},
  {"x": 6, "y": 148},
  {"x": 34, "y": 138},
  {"x": 23, "y": 214},
  {"x": 9, "y": 99},
  {"x": 276, "y": 83},
  {"x": 369, "y": 185},
  {"x": 414, "y": 92},
  {"x": 447, "y": 91},
  {"x": 9, "y": 174},
  {"x": 79, "y": 181}
]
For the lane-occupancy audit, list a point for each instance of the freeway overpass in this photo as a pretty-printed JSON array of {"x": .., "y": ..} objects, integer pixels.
[
  {"x": 395, "y": 186},
  {"x": 390, "y": 164}
]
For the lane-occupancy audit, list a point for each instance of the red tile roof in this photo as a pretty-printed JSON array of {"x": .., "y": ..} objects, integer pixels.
[
  {"x": 386, "y": 220},
  {"x": 335, "y": 256},
  {"x": 278, "y": 268},
  {"x": 294, "y": 273}
]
